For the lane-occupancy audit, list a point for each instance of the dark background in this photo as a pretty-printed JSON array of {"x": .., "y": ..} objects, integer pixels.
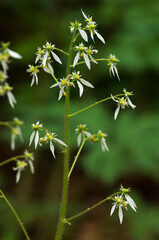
[{"x": 131, "y": 31}]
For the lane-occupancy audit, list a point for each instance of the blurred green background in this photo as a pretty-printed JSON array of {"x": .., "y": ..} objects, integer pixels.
[{"x": 131, "y": 31}]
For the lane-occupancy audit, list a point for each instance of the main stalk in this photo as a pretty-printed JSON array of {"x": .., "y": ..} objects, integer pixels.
[{"x": 62, "y": 217}]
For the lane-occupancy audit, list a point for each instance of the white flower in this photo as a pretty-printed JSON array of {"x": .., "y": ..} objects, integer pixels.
[
  {"x": 29, "y": 157},
  {"x": 121, "y": 103},
  {"x": 33, "y": 72},
  {"x": 8, "y": 90},
  {"x": 64, "y": 83},
  {"x": 51, "y": 137},
  {"x": 13, "y": 54},
  {"x": 19, "y": 168},
  {"x": 91, "y": 26},
  {"x": 101, "y": 136},
  {"x": 127, "y": 94},
  {"x": 36, "y": 127},
  {"x": 112, "y": 62},
  {"x": 81, "y": 130},
  {"x": 75, "y": 76},
  {"x": 77, "y": 26},
  {"x": 48, "y": 48},
  {"x": 121, "y": 202},
  {"x": 85, "y": 53}
]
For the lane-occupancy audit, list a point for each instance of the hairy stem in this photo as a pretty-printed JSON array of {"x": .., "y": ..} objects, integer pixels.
[
  {"x": 15, "y": 214},
  {"x": 91, "y": 208},
  {"x": 94, "y": 104},
  {"x": 61, "y": 223},
  {"x": 78, "y": 153},
  {"x": 11, "y": 159}
]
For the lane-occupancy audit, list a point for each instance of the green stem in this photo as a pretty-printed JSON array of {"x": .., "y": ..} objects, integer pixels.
[
  {"x": 78, "y": 153},
  {"x": 11, "y": 159},
  {"x": 97, "y": 60},
  {"x": 60, "y": 50},
  {"x": 61, "y": 223},
  {"x": 91, "y": 208},
  {"x": 15, "y": 214},
  {"x": 94, "y": 104},
  {"x": 49, "y": 72}
]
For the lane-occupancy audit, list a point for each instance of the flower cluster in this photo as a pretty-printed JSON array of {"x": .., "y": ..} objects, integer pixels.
[
  {"x": 112, "y": 62},
  {"x": 123, "y": 102},
  {"x": 22, "y": 163},
  {"x": 122, "y": 202},
  {"x": 85, "y": 53},
  {"x": 5, "y": 88},
  {"x": 82, "y": 132},
  {"x": 44, "y": 56},
  {"x": 48, "y": 137}
]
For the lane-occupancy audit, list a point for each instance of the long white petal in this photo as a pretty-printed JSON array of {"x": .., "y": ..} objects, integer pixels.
[
  {"x": 31, "y": 166},
  {"x": 18, "y": 175},
  {"x": 50, "y": 68},
  {"x": 55, "y": 85},
  {"x": 100, "y": 37},
  {"x": 13, "y": 141},
  {"x": 116, "y": 112},
  {"x": 32, "y": 81},
  {"x": 36, "y": 139},
  {"x": 14, "y": 54},
  {"x": 112, "y": 209},
  {"x": 84, "y": 15},
  {"x": 92, "y": 36},
  {"x": 120, "y": 213},
  {"x": 56, "y": 57},
  {"x": 11, "y": 99},
  {"x": 45, "y": 59},
  {"x": 130, "y": 103},
  {"x": 76, "y": 59},
  {"x": 93, "y": 60},
  {"x": 131, "y": 202},
  {"x": 87, "y": 61},
  {"x": 79, "y": 139},
  {"x": 52, "y": 149},
  {"x": 81, "y": 89},
  {"x": 60, "y": 142},
  {"x": 36, "y": 79},
  {"x": 86, "y": 83},
  {"x": 31, "y": 137},
  {"x": 83, "y": 34},
  {"x": 61, "y": 93}
]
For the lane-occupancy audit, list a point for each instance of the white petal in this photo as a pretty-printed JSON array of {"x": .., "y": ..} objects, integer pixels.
[
  {"x": 31, "y": 137},
  {"x": 61, "y": 93},
  {"x": 50, "y": 68},
  {"x": 112, "y": 209},
  {"x": 116, "y": 71},
  {"x": 32, "y": 81},
  {"x": 45, "y": 59},
  {"x": 13, "y": 141},
  {"x": 52, "y": 149},
  {"x": 83, "y": 35},
  {"x": 36, "y": 79},
  {"x": 120, "y": 213},
  {"x": 31, "y": 166},
  {"x": 130, "y": 103},
  {"x": 86, "y": 83},
  {"x": 14, "y": 54},
  {"x": 18, "y": 176},
  {"x": 55, "y": 85},
  {"x": 79, "y": 139},
  {"x": 92, "y": 36},
  {"x": 131, "y": 202},
  {"x": 76, "y": 59},
  {"x": 81, "y": 89},
  {"x": 84, "y": 15},
  {"x": 87, "y": 61},
  {"x": 56, "y": 57},
  {"x": 116, "y": 113},
  {"x": 36, "y": 139},
  {"x": 93, "y": 60},
  {"x": 46, "y": 70},
  {"x": 104, "y": 145},
  {"x": 60, "y": 142},
  {"x": 100, "y": 37},
  {"x": 114, "y": 98},
  {"x": 11, "y": 99},
  {"x": 88, "y": 134}
]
